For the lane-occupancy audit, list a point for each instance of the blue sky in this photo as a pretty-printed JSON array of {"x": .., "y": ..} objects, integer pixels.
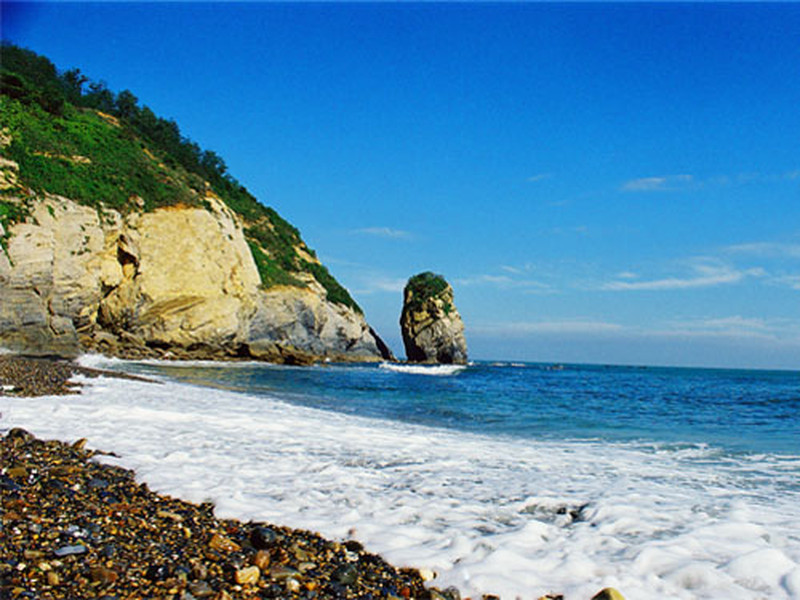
[{"x": 605, "y": 183}]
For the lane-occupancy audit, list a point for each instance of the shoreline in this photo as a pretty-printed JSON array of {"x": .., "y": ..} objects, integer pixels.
[{"x": 139, "y": 544}]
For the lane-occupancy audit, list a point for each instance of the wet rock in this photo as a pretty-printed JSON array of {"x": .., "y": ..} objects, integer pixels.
[
  {"x": 248, "y": 575},
  {"x": 103, "y": 575},
  {"x": 608, "y": 594},
  {"x": 262, "y": 560},
  {"x": 222, "y": 543},
  {"x": 346, "y": 574},
  {"x": 70, "y": 550},
  {"x": 263, "y": 537},
  {"x": 200, "y": 589}
]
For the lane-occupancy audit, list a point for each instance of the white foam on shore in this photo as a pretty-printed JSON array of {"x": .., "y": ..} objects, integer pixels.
[
  {"x": 436, "y": 370},
  {"x": 489, "y": 515}
]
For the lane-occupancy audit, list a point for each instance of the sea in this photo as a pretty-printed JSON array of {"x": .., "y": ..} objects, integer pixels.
[{"x": 513, "y": 479}]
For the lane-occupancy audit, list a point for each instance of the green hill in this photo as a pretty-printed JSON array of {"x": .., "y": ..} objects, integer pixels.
[{"x": 76, "y": 138}]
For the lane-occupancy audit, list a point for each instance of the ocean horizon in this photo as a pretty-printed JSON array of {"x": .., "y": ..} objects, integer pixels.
[{"x": 511, "y": 478}]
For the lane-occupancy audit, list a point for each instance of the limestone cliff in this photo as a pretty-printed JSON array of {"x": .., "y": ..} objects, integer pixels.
[
  {"x": 431, "y": 326},
  {"x": 179, "y": 281},
  {"x": 120, "y": 234}
]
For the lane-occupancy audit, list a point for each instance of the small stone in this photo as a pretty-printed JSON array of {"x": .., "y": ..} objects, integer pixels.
[
  {"x": 103, "y": 575},
  {"x": 200, "y": 589},
  {"x": 427, "y": 574},
  {"x": 53, "y": 578},
  {"x": 452, "y": 593},
  {"x": 79, "y": 444},
  {"x": 281, "y": 573},
  {"x": 32, "y": 554},
  {"x": 248, "y": 575},
  {"x": 17, "y": 472},
  {"x": 19, "y": 434},
  {"x": 263, "y": 537},
  {"x": 608, "y": 593},
  {"x": 346, "y": 574},
  {"x": 165, "y": 514},
  {"x": 70, "y": 550},
  {"x": 306, "y": 566},
  {"x": 261, "y": 559},
  {"x": 220, "y": 542},
  {"x": 293, "y": 585}
]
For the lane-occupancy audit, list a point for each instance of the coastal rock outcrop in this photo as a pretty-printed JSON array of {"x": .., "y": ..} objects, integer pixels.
[
  {"x": 177, "y": 281},
  {"x": 431, "y": 326}
]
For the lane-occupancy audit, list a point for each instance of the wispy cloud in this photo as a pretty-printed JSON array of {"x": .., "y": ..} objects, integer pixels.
[
  {"x": 702, "y": 274},
  {"x": 793, "y": 281},
  {"x": 504, "y": 282},
  {"x": 384, "y": 232},
  {"x": 663, "y": 183},
  {"x": 564, "y": 327},
  {"x": 539, "y": 177},
  {"x": 683, "y": 182},
  {"x": 371, "y": 284},
  {"x": 736, "y": 327},
  {"x": 765, "y": 249}
]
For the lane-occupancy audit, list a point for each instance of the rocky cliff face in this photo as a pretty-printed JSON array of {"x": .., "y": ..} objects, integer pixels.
[
  {"x": 178, "y": 281},
  {"x": 431, "y": 326}
]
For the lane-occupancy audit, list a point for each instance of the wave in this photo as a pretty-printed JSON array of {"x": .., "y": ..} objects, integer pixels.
[{"x": 437, "y": 370}]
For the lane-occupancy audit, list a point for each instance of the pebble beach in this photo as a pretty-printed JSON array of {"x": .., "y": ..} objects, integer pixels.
[{"x": 76, "y": 528}]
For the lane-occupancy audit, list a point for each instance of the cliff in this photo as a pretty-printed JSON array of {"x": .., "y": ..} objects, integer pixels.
[
  {"x": 121, "y": 238},
  {"x": 431, "y": 326}
]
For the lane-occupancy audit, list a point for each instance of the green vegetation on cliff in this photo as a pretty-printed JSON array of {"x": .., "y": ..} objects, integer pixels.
[
  {"x": 76, "y": 138},
  {"x": 422, "y": 287}
]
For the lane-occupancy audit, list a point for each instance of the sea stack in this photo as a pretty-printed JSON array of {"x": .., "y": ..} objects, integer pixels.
[{"x": 432, "y": 329}]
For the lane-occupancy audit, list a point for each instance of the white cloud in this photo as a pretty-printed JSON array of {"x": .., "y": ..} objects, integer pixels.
[
  {"x": 766, "y": 249},
  {"x": 384, "y": 232},
  {"x": 627, "y": 275},
  {"x": 703, "y": 275},
  {"x": 539, "y": 177},
  {"x": 503, "y": 281},
  {"x": 658, "y": 184},
  {"x": 793, "y": 281},
  {"x": 666, "y": 183},
  {"x": 380, "y": 284},
  {"x": 567, "y": 327}
]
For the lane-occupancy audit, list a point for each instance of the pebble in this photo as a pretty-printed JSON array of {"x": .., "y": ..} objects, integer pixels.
[
  {"x": 248, "y": 575},
  {"x": 70, "y": 550}
]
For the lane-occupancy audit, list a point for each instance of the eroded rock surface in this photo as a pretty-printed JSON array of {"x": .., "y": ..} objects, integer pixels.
[
  {"x": 177, "y": 281},
  {"x": 431, "y": 326}
]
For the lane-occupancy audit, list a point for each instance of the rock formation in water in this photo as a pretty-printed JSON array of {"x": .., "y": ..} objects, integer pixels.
[{"x": 432, "y": 329}]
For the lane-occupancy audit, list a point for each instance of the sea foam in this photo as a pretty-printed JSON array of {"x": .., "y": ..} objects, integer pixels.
[
  {"x": 518, "y": 518},
  {"x": 437, "y": 370}
]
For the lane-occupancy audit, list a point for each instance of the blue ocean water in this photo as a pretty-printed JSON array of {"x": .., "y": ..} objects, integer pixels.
[{"x": 737, "y": 411}]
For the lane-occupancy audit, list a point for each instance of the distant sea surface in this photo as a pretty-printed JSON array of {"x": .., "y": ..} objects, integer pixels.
[{"x": 511, "y": 478}]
